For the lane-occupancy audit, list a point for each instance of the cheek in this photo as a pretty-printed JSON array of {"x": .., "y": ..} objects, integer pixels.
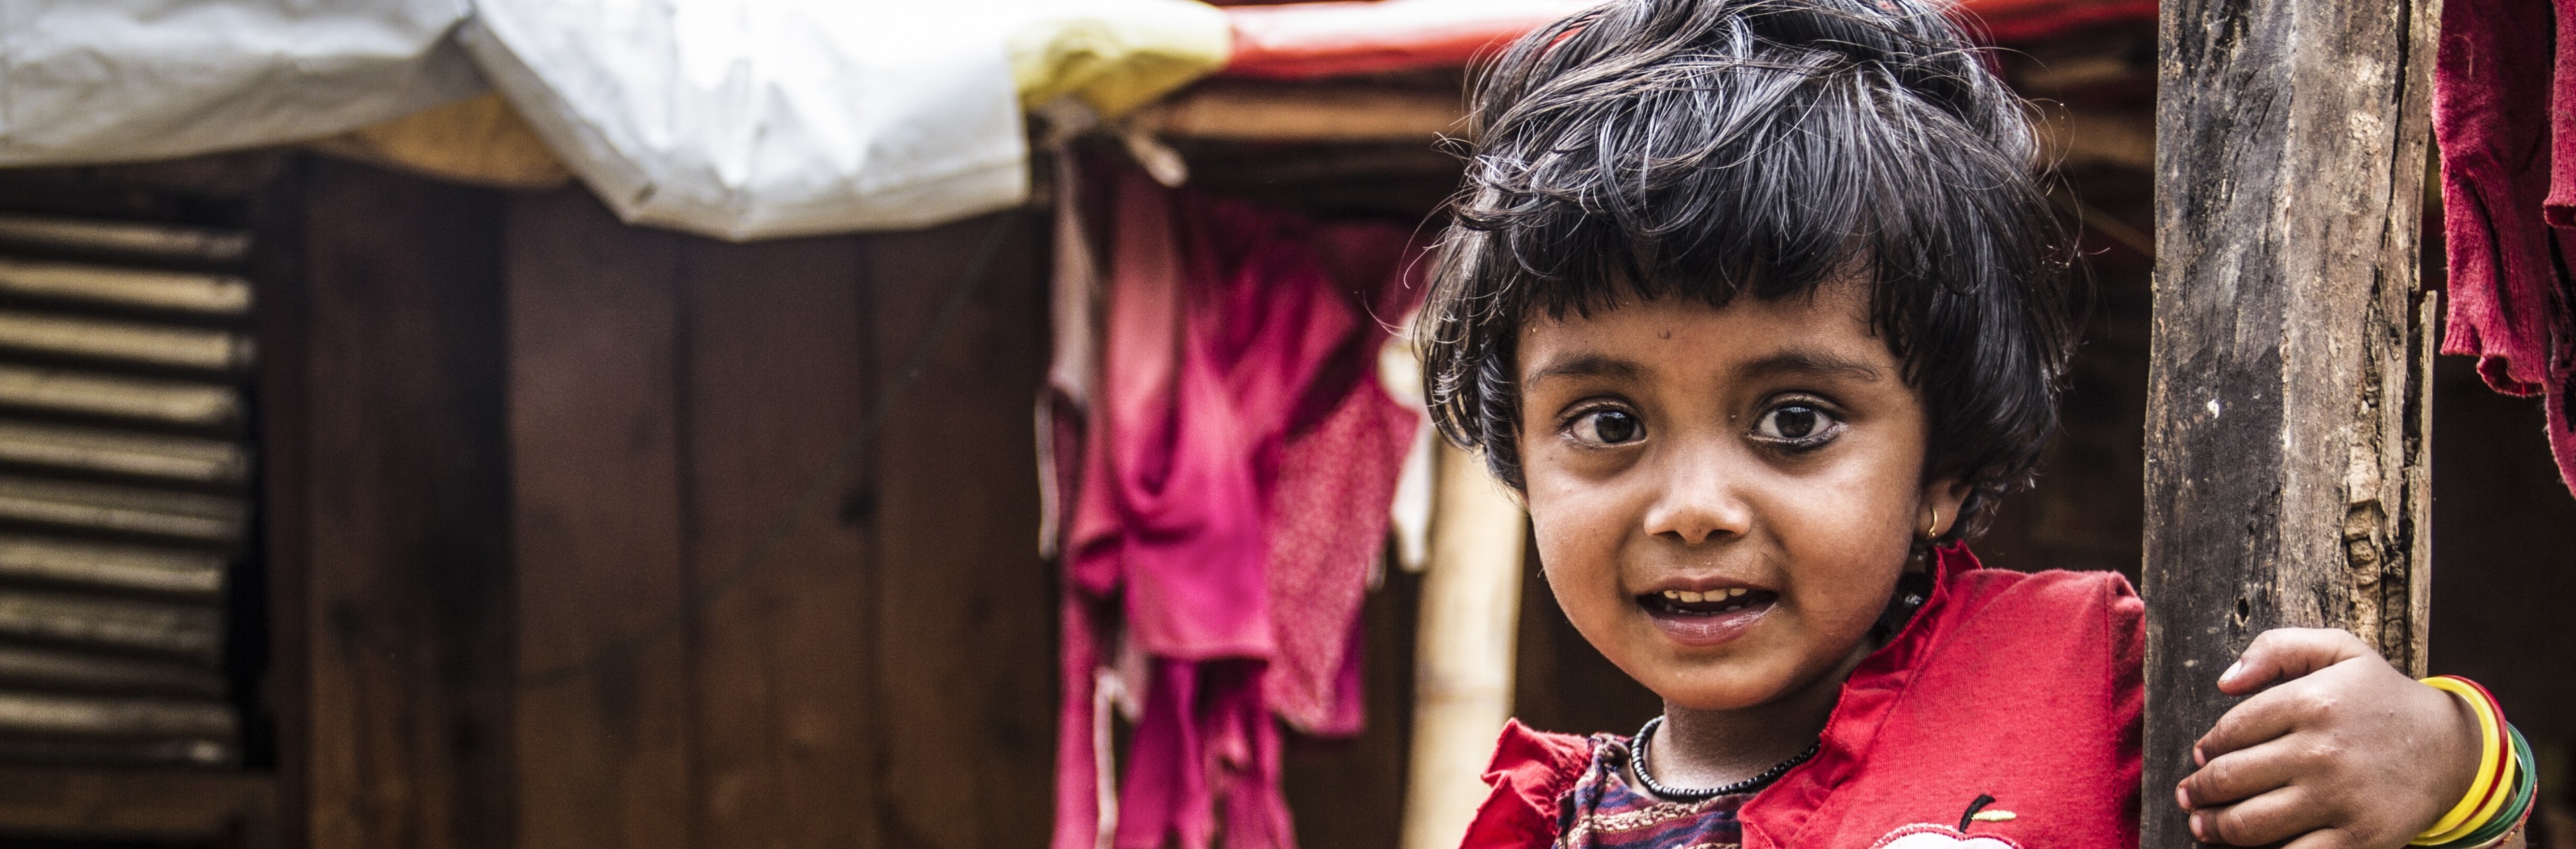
[
  {"x": 1849, "y": 534},
  {"x": 1577, "y": 536},
  {"x": 1580, "y": 531}
]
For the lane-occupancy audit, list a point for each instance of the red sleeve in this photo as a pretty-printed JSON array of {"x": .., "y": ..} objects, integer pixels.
[
  {"x": 2126, "y": 634},
  {"x": 1530, "y": 772}
]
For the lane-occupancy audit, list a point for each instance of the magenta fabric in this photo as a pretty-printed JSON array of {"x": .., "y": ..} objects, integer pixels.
[
  {"x": 1328, "y": 518},
  {"x": 1237, "y": 468},
  {"x": 2560, "y": 208},
  {"x": 2504, "y": 113}
]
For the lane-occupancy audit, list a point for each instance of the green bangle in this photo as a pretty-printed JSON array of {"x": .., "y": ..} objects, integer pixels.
[{"x": 2526, "y": 786}]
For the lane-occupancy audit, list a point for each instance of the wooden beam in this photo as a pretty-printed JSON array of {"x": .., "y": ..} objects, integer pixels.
[
  {"x": 1307, "y": 112},
  {"x": 2288, "y": 403},
  {"x": 2098, "y": 137}
]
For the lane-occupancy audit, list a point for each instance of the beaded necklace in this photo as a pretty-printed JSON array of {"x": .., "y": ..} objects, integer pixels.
[{"x": 1646, "y": 773}]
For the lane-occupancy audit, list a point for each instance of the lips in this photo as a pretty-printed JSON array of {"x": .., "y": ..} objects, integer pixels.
[{"x": 1708, "y": 615}]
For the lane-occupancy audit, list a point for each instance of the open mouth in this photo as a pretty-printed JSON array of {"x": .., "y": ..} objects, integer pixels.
[{"x": 1707, "y": 617}]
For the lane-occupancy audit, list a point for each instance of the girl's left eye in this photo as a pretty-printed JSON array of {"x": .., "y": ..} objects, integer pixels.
[
  {"x": 1608, "y": 427},
  {"x": 1796, "y": 424}
]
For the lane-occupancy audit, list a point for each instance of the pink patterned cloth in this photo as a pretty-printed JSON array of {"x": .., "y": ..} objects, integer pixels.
[
  {"x": 1237, "y": 464},
  {"x": 2504, "y": 111}
]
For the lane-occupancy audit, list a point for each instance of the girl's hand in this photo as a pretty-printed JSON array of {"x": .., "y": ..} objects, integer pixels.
[{"x": 2342, "y": 752}]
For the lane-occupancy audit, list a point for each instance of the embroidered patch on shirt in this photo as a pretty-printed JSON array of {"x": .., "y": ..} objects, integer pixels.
[{"x": 1924, "y": 835}]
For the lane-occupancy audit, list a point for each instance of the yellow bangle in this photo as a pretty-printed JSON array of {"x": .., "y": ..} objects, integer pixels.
[
  {"x": 2460, "y": 819},
  {"x": 2508, "y": 775}
]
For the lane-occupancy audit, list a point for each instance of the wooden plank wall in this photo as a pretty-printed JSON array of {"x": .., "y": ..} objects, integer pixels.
[
  {"x": 523, "y": 453},
  {"x": 381, "y": 408},
  {"x": 965, "y": 653},
  {"x": 886, "y": 677},
  {"x": 599, "y": 528}
]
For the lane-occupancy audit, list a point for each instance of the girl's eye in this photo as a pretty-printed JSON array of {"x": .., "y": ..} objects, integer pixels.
[
  {"x": 1608, "y": 427},
  {"x": 1795, "y": 423}
]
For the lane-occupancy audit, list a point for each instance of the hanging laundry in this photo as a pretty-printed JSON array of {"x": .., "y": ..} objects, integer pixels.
[
  {"x": 1238, "y": 458},
  {"x": 2504, "y": 112},
  {"x": 1329, "y": 510}
]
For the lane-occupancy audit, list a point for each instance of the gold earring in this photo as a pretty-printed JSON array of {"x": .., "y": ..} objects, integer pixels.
[{"x": 1933, "y": 528}]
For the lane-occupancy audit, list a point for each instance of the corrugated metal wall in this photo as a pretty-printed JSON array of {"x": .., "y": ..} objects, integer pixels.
[{"x": 125, "y": 461}]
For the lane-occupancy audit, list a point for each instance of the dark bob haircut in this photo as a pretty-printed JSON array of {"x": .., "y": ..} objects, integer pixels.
[{"x": 1717, "y": 148}]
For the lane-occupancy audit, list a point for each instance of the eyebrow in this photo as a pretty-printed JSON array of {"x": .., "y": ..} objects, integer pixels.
[
  {"x": 1795, "y": 361},
  {"x": 1586, "y": 365},
  {"x": 1812, "y": 363}
]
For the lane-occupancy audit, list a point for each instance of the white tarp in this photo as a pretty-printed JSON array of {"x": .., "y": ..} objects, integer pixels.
[
  {"x": 739, "y": 119},
  {"x": 758, "y": 118},
  {"x": 118, "y": 80}
]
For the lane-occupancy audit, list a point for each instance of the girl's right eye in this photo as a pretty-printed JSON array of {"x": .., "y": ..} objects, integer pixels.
[{"x": 1608, "y": 427}]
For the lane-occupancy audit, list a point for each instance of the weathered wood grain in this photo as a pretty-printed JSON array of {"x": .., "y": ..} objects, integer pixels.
[
  {"x": 778, "y": 371},
  {"x": 965, "y": 666},
  {"x": 2287, "y": 412},
  {"x": 387, "y": 539},
  {"x": 599, "y": 510}
]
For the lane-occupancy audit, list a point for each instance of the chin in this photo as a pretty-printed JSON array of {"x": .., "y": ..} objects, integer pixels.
[{"x": 1723, "y": 686}]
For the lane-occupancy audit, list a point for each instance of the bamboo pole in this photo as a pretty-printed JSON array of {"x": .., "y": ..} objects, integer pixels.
[{"x": 1462, "y": 690}]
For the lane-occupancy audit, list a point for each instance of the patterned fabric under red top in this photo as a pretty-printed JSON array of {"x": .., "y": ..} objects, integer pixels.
[{"x": 1604, "y": 812}]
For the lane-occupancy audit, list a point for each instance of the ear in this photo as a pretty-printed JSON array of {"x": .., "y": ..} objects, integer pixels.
[{"x": 1939, "y": 508}]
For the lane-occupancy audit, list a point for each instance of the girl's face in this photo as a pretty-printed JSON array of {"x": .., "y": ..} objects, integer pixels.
[{"x": 1723, "y": 498}]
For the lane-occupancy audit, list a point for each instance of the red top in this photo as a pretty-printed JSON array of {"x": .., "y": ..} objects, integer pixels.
[{"x": 2022, "y": 687}]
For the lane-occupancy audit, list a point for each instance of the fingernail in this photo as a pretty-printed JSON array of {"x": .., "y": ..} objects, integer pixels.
[
  {"x": 2230, "y": 674},
  {"x": 2182, "y": 798},
  {"x": 2198, "y": 757},
  {"x": 2196, "y": 830}
]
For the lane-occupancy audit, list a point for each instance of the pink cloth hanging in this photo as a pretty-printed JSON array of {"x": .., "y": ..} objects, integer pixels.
[
  {"x": 2504, "y": 112},
  {"x": 1238, "y": 461}
]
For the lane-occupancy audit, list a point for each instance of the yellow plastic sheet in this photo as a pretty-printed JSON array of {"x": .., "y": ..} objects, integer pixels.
[
  {"x": 1116, "y": 55},
  {"x": 479, "y": 140}
]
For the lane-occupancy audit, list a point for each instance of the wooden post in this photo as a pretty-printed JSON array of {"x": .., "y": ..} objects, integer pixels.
[{"x": 2288, "y": 400}]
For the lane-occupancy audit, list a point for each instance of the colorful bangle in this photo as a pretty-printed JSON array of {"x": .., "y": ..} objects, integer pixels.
[
  {"x": 2499, "y": 801},
  {"x": 2510, "y": 815},
  {"x": 2497, "y": 781},
  {"x": 2494, "y": 761}
]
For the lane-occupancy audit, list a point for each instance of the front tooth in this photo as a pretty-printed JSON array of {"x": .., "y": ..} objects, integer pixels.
[
  {"x": 1676, "y": 596},
  {"x": 1737, "y": 591},
  {"x": 1689, "y": 596}
]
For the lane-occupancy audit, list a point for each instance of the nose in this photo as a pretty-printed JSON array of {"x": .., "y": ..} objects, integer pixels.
[{"x": 1700, "y": 501}]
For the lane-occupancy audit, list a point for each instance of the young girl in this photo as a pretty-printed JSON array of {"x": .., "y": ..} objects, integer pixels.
[{"x": 1759, "y": 304}]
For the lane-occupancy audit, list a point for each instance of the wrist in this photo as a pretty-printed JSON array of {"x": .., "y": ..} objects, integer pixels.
[
  {"x": 2464, "y": 763},
  {"x": 2499, "y": 795}
]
